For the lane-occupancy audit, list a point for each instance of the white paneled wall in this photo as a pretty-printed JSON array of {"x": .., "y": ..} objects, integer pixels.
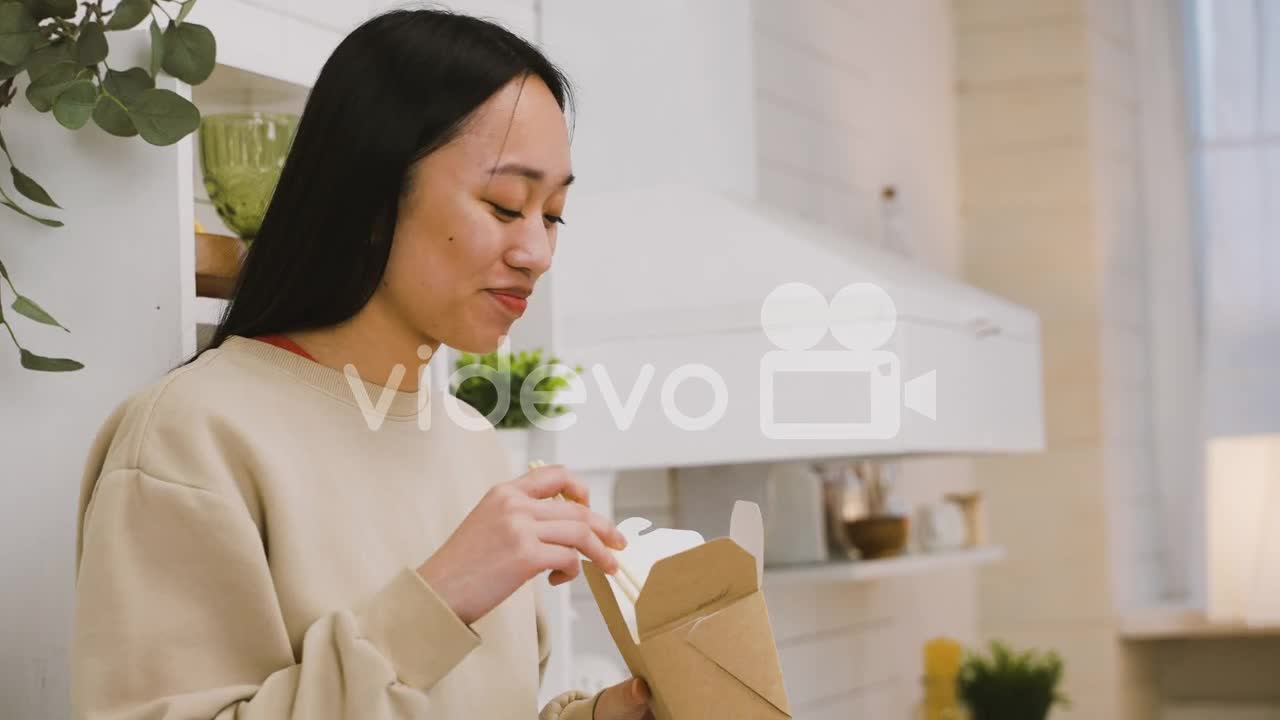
[
  {"x": 1075, "y": 196},
  {"x": 852, "y": 96}
]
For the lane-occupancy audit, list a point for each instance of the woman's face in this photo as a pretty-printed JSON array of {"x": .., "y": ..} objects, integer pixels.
[{"x": 477, "y": 226}]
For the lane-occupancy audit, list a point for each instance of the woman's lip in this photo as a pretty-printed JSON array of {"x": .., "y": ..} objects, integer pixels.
[{"x": 514, "y": 303}]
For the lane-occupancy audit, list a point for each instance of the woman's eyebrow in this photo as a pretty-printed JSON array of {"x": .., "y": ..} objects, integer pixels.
[{"x": 528, "y": 172}]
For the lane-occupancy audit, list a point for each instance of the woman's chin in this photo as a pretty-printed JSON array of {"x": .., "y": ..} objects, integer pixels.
[{"x": 485, "y": 340}]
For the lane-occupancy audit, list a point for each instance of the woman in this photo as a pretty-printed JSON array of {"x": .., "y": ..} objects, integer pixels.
[{"x": 251, "y": 545}]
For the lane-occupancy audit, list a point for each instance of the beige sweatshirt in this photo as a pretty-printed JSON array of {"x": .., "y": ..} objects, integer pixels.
[{"x": 247, "y": 549}]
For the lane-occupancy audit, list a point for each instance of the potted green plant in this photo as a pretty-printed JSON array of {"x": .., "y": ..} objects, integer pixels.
[
  {"x": 1009, "y": 685},
  {"x": 483, "y": 375}
]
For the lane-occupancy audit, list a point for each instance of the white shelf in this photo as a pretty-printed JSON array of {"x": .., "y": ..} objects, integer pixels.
[
  {"x": 867, "y": 570},
  {"x": 1173, "y": 622},
  {"x": 209, "y": 310}
]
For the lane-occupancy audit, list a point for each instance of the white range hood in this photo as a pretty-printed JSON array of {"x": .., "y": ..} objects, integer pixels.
[
  {"x": 641, "y": 307},
  {"x": 661, "y": 273}
]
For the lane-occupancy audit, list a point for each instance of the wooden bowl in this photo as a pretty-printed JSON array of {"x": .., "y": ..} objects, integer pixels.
[
  {"x": 878, "y": 536},
  {"x": 218, "y": 259}
]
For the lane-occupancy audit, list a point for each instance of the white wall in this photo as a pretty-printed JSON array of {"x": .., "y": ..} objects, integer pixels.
[
  {"x": 1052, "y": 206},
  {"x": 112, "y": 276},
  {"x": 1075, "y": 178}
]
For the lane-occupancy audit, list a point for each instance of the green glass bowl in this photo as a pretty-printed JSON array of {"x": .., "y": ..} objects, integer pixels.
[{"x": 241, "y": 155}]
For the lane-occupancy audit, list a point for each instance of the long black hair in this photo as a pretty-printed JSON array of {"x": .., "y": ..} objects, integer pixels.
[{"x": 397, "y": 88}]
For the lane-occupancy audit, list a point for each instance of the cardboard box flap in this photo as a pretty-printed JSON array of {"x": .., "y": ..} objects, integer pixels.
[
  {"x": 612, "y": 614},
  {"x": 716, "y": 572},
  {"x": 731, "y": 638}
]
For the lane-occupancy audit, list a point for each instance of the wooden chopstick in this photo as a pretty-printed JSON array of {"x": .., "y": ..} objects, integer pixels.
[{"x": 625, "y": 578}]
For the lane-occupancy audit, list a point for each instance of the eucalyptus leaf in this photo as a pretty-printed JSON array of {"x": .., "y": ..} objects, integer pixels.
[
  {"x": 163, "y": 117},
  {"x": 126, "y": 85},
  {"x": 128, "y": 14},
  {"x": 110, "y": 115},
  {"x": 74, "y": 106},
  {"x": 49, "y": 56},
  {"x": 18, "y": 33},
  {"x": 27, "y": 307},
  {"x": 50, "y": 85},
  {"x": 32, "y": 361},
  {"x": 41, "y": 9},
  {"x": 31, "y": 189},
  {"x": 186, "y": 10},
  {"x": 43, "y": 221},
  {"x": 157, "y": 48},
  {"x": 189, "y": 52},
  {"x": 5, "y": 274},
  {"x": 121, "y": 88},
  {"x": 91, "y": 46}
]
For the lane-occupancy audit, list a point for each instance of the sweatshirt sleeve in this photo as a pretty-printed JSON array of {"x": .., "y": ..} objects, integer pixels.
[{"x": 176, "y": 618}]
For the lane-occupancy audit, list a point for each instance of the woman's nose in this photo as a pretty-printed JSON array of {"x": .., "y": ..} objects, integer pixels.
[{"x": 533, "y": 249}]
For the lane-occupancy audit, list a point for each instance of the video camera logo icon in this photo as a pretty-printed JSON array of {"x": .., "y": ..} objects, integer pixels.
[{"x": 862, "y": 318}]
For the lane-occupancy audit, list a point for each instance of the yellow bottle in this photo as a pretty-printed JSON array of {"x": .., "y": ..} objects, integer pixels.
[{"x": 942, "y": 657}]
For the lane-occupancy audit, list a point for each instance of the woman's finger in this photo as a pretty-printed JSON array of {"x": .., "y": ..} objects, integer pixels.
[
  {"x": 559, "y": 510},
  {"x": 561, "y": 560},
  {"x": 551, "y": 480},
  {"x": 628, "y": 700},
  {"x": 581, "y": 537}
]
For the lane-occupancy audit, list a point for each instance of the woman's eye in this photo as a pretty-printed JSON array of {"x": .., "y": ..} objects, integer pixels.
[
  {"x": 553, "y": 219},
  {"x": 506, "y": 214}
]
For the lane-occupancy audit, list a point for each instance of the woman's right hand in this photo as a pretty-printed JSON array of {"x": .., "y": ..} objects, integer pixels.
[{"x": 518, "y": 530}]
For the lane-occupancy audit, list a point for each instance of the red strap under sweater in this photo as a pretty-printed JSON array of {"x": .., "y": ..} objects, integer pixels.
[{"x": 285, "y": 343}]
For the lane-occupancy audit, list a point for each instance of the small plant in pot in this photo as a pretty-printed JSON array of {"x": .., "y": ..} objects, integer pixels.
[
  {"x": 1009, "y": 685},
  {"x": 483, "y": 375}
]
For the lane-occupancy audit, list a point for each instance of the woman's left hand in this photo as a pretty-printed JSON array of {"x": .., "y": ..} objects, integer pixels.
[{"x": 625, "y": 701}]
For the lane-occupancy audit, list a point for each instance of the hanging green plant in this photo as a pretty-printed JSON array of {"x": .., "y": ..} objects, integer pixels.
[{"x": 62, "y": 49}]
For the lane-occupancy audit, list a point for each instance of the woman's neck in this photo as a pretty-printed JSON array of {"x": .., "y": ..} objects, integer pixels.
[{"x": 375, "y": 345}]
